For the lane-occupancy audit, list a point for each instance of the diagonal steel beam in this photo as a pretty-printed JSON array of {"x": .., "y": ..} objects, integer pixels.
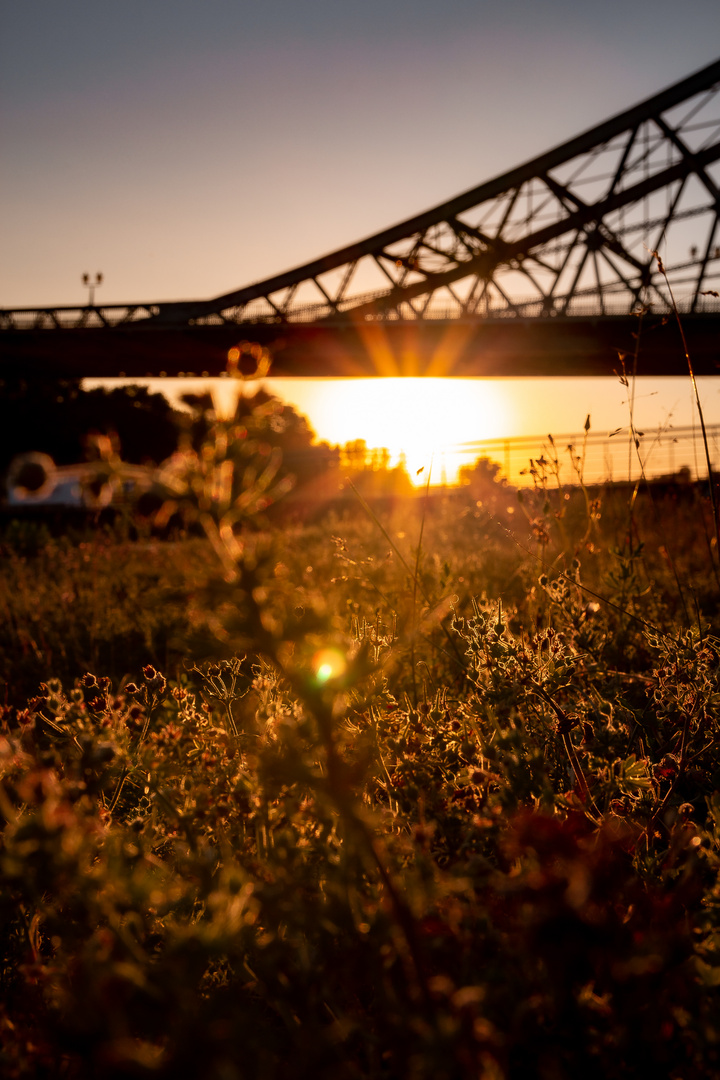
[
  {"x": 455, "y": 250},
  {"x": 487, "y": 262},
  {"x": 688, "y": 154},
  {"x": 590, "y": 139}
]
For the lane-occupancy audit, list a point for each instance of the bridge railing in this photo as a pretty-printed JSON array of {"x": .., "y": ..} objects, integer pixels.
[
  {"x": 584, "y": 306},
  {"x": 117, "y": 315},
  {"x": 75, "y": 318}
]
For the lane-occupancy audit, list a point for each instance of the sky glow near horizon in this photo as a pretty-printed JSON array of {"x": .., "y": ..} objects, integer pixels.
[
  {"x": 438, "y": 425},
  {"x": 185, "y": 149}
]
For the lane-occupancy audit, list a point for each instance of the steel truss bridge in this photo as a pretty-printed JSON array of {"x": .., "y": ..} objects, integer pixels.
[{"x": 548, "y": 269}]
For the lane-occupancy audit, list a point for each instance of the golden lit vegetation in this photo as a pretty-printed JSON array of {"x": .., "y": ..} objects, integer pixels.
[{"x": 431, "y": 793}]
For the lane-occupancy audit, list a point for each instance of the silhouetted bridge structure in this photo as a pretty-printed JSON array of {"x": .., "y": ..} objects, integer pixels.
[{"x": 546, "y": 270}]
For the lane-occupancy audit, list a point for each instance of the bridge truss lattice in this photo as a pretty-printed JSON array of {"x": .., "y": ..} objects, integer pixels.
[{"x": 570, "y": 233}]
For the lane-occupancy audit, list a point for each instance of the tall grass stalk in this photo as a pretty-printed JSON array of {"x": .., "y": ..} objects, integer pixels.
[
  {"x": 413, "y": 575},
  {"x": 415, "y": 579},
  {"x": 551, "y": 568},
  {"x": 661, "y": 268}
]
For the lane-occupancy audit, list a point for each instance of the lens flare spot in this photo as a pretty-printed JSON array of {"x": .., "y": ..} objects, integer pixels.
[
  {"x": 328, "y": 664},
  {"x": 256, "y": 359}
]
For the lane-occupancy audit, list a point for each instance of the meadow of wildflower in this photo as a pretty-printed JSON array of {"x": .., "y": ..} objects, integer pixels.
[{"x": 422, "y": 790}]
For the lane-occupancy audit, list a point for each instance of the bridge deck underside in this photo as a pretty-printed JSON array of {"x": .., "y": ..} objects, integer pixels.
[{"x": 486, "y": 347}]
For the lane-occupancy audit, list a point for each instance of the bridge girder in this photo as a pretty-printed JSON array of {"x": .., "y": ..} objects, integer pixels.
[{"x": 570, "y": 234}]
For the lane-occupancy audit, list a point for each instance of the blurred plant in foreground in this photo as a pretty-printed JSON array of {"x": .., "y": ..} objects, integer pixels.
[{"x": 283, "y": 864}]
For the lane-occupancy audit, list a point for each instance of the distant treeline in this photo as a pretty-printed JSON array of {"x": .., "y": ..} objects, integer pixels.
[{"x": 58, "y": 418}]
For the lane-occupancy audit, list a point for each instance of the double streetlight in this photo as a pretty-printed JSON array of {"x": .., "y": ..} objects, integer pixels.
[{"x": 92, "y": 286}]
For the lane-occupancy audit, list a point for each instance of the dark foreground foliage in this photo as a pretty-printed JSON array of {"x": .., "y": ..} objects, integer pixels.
[{"x": 393, "y": 808}]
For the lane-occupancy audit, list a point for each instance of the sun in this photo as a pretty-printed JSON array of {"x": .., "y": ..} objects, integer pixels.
[{"x": 419, "y": 420}]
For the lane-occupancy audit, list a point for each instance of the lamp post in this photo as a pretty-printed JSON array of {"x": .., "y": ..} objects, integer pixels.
[{"x": 92, "y": 286}]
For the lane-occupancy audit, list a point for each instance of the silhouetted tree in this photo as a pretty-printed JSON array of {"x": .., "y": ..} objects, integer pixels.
[
  {"x": 56, "y": 416},
  {"x": 285, "y": 428},
  {"x": 371, "y": 473},
  {"x": 482, "y": 476}
]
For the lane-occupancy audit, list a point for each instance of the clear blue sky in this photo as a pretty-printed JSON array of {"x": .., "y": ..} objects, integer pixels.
[{"x": 188, "y": 147}]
